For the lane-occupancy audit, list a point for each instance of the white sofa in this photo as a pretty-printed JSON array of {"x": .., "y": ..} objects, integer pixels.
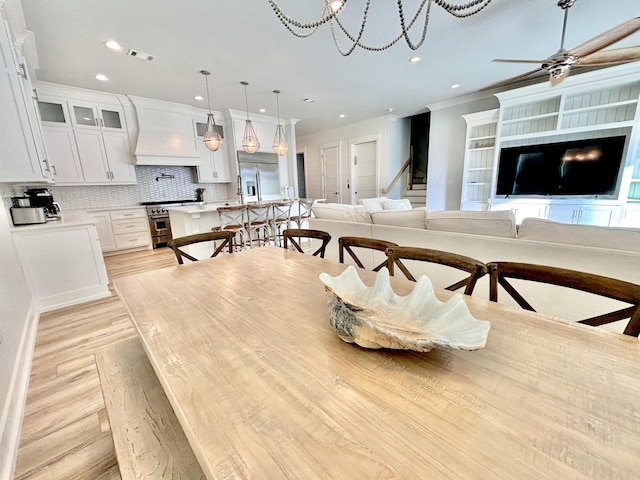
[{"x": 492, "y": 236}]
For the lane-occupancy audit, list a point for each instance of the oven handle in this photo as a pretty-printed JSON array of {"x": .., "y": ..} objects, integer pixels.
[{"x": 156, "y": 217}]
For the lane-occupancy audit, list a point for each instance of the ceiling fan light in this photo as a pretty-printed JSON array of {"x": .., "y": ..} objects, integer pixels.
[
  {"x": 250, "y": 143},
  {"x": 211, "y": 137}
]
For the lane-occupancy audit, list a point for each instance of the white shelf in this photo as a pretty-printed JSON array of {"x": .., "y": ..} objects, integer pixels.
[
  {"x": 487, "y": 137},
  {"x": 479, "y": 149},
  {"x": 528, "y": 119},
  {"x": 568, "y": 131},
  {"x": 490, "y": 168},
  {"x": 602, "y": 106},
  {"x": 477, "y": 183}
]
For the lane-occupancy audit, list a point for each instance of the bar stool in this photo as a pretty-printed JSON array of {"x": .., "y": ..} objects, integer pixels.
[
  {"x": 304, "y": 211},
  {"x": 281, "y": 216},
  {"x": 233, "y": 218},
  {"x": 258, "y": 223}
]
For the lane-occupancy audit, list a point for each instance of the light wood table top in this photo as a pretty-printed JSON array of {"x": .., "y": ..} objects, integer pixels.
[{"x": 264, "y": 388}]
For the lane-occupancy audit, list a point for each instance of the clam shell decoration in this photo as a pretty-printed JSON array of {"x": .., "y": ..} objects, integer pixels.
[{"x": 375, "y": 317}]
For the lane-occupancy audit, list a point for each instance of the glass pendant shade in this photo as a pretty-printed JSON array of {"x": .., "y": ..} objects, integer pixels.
[
  {"x": 250, "y": 142},
  {"x": 280, "y": 145},
  {"x": 211, "y": 137}
]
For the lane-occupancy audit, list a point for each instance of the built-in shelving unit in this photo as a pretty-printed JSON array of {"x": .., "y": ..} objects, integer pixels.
[
  {"x": 479, "y": 159},
  {"x": 592, "y": 105}
]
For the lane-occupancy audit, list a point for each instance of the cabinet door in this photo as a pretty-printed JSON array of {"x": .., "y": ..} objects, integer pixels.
[
  {"x": 564, "y": 213},
  {"x": 630, "y": 216},
  {"x": 84, "y": 115},
  {"x": 601, "y": 216},
  {"x": 19, "y": 159},
  {"x": 221, "y": 165},
  {"x": 116, "y": 147},
  {"x": 111, "y": 118},
  {"x": 92, "y": 156},
  {"x": 105, "y": 232},
  {"x": 63, "y": 154},
  {"x": 205, "y": 169}
]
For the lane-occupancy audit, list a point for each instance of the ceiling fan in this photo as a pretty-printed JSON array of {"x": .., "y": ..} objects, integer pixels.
[{"x": 587, "y": 54}]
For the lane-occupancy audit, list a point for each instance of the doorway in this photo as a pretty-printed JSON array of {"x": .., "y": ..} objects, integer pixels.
[
  {"x": 329, "y": 156},
  {"x": 302, "y": 183}
]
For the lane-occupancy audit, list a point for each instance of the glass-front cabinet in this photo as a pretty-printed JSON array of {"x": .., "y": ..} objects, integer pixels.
[
  {"x": 214, "y": 166},
  {"x": 85, "y": 115}
]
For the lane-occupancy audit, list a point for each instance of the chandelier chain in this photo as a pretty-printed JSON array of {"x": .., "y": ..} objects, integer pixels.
[{"x": 327, "y": 15}]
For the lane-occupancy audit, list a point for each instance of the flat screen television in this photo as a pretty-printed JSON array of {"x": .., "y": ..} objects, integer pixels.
[{"x": 580, "y": 167}]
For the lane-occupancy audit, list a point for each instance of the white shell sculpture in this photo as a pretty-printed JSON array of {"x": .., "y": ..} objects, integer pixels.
[{"x": 375, "y": 317}]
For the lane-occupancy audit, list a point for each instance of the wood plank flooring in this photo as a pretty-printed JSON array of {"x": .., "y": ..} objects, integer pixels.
[{"x": 66, "y": 432}]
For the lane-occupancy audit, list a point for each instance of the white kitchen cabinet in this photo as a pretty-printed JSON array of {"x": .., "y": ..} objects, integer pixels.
[
  {"x": 104, "y": 156},
  {"x": 63, "y": 154},
  {"x": 22, "y": 153},
  {"x": 62, "y": 261},
  {"x": 630, "y": 216},
  {"x": 100, "y": 117},
  {"x": 123, "y": 229},
  {"x": 213, "y": 166}
]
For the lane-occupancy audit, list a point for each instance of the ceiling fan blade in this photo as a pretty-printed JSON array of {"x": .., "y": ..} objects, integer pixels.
[
  {"x": 607, "y": 57},
  {"x": 510, "y": 80},
  {"x": 607, "y": 38},
  {"x": 506, "y": 60}
]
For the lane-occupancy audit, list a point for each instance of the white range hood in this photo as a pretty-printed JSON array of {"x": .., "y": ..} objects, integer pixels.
[{"x": 165, "y": 135}]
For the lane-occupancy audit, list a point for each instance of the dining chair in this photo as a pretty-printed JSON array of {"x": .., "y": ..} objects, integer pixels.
[
  {"x": 280, "y": 219},
  {"x": 475, "y": 268},
  {"x": 349, "y": 243},
  {"x": 614, "y": 288},
  {"x": 233, "y": 218},
  {"x": 290, "y": 235},
  {"x": 225, "y": 237},
  {"x": 258, "y": 223}
]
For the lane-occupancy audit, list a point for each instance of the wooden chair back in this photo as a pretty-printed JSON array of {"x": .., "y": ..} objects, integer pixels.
[
  {"x": 349, "y": 243},
  {"x": 608, "y": 287},
  {"x": 475, "y": 268},
  {"x": 258, "y": 223},
  {"x": 225, "y": 237},
  {"x": 290, "y": 235},
  {"x": 281, "y": 217},
  {"x": 233, "y": 218}
]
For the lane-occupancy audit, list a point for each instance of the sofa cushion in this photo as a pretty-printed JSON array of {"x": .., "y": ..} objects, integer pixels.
[
  {"x": 372, "y": 204},
  {"x": 497, "y": 224},
  {"x": 587, "y": 235},
  {"x": 401, "y": 204},
  {"x": 414, "y": 218},
  {"x": 338, "y": 211}
]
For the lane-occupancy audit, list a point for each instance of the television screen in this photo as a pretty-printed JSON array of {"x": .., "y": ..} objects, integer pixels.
[{"x": 580, "y": 167}]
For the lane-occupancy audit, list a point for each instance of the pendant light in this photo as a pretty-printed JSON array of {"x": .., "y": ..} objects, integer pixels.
[
  {"x": 250, "y": 142},
  {"x": 211, "y": 137},
  {"x": 280, "y": 145}
]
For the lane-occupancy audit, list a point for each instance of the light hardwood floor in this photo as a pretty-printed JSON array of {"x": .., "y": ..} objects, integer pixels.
[{"x": 66, "y": 433}]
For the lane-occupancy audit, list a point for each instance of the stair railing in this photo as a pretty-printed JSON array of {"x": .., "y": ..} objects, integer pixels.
[{"x": 408, "y": 165}]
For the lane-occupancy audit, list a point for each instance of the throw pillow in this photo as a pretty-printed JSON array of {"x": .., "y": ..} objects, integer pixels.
[
  {"x": 401, "y": 204},
  {"x": 373, "y": 204},
  {"x": 414, "y": 218}
]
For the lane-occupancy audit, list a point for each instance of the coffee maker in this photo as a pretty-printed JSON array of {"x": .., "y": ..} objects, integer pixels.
[{"x": 41, "y": 197}]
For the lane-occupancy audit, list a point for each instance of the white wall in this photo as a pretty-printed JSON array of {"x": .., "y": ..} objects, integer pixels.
[
  {"x": 388, "y": 129},
  {"x": 446, "y": 152},
  {"x": 17, "y": 332}
]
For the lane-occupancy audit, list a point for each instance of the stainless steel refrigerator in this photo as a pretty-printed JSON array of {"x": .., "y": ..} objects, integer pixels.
[{"x": 259, "y": 177}]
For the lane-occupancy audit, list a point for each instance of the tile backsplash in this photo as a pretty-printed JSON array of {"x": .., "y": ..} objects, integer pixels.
[{"x": 150, "y": 187}]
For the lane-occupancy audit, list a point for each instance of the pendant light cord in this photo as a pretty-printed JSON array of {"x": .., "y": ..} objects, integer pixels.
[
  {"x": 246, "y": 101},
  {"x": 206, "y": 80}
]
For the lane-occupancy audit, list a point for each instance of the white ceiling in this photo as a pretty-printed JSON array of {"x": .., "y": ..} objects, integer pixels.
[{"x": 243, "y": 40}]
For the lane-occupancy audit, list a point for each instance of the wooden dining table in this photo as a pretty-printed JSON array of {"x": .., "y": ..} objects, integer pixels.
[{"x": 264, "y": 388}]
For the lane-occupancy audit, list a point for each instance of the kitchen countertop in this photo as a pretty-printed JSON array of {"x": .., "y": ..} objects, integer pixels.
[
  {"x": 207, "y": 207},
  {"x": 69, "y": 218}
]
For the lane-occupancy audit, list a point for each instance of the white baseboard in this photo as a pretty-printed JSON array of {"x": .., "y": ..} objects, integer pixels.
[{"x": 13, "y": 411}]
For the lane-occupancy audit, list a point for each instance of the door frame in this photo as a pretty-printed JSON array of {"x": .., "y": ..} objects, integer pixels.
[{"x": 352, "y": 168}]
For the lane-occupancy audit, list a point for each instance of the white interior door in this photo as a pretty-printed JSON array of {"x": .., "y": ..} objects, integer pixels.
[
  {"x": 330, "y": 185},
  {"x": 364, "y": 163}
]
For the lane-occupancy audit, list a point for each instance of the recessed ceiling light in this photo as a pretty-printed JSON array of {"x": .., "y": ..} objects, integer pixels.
[
  {"x": 113, "y": 45},
  {"x": 198, "y": 98},
  {"x": 455, "y": 85},
  {"x": 262, "y": 110},
  {"x": 390, "y": 109},
  {"x": 415, "y": 59},
  {"x": 342, "y": 115},
  {"x": 309, "y": 100},
  {"x": 101, "y": 77}
]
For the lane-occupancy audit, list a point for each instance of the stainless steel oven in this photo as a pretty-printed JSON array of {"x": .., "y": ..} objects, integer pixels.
[{"x": 159, "y": 222}]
